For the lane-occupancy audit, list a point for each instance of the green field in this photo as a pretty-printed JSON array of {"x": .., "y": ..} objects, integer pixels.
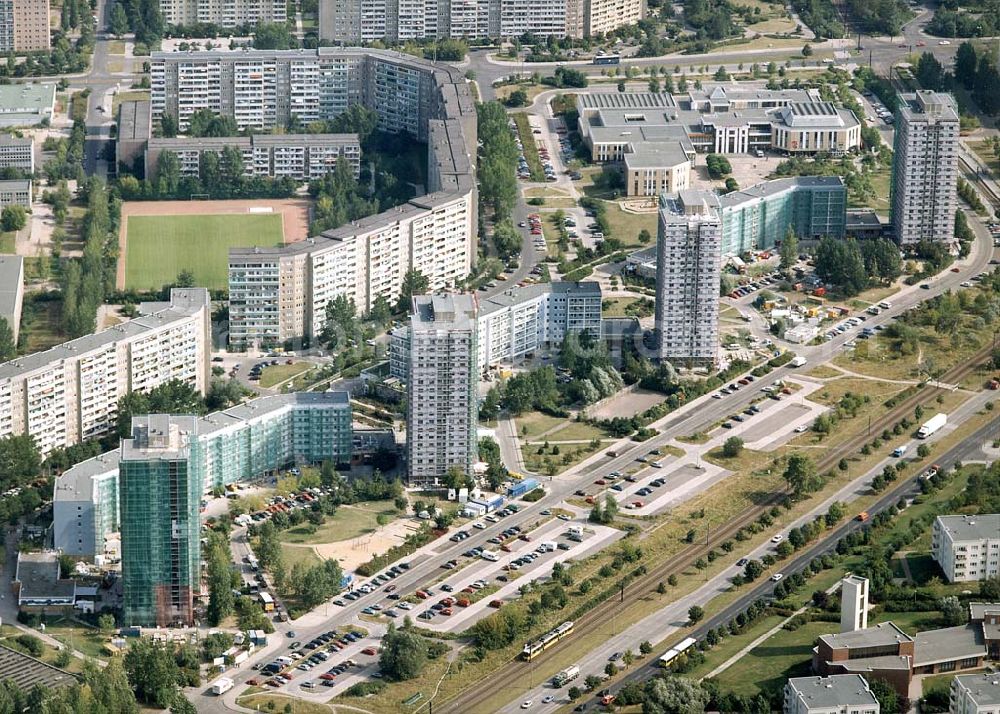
[{"x": 161, "y": 247}]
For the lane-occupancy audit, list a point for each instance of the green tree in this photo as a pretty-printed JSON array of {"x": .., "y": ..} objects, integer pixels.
[
  {"x": 381, "y": 311},
  {"x": 118, "y": 20},
  {"x": 8, "y": 348},
  {"x": 800, "y": 475},
  {"x": 20, "y": 461},
  {"x": 789, "y": 250},
  {"x": 106, "y": 623},
  {"x": 13, "y": 217},
  {"x": 414, "y": 283},
  {"x": 695, "y": 614},
  {"x": 807, "y": 50},
  {"x": 272, "y": 36},
  {"x": 886, "y": 695},
  {"x": 674, "y": 695},
  {"x": 153, "y": 672},
  {"x": 732, "y": 447},
  {"x": 517, "y": 98},
  {"x": 404, "y": 654},
  {"x": 220, "y": 582}
]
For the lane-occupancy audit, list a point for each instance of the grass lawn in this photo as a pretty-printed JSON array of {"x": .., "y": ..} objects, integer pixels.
[
  {"x": 41, "y": 322},
  {"x": 271, "y": 376},
  {"x": 823, "y": 372},
  {"x": 293, "y": 554},
  {"x": 626, "y": 226},
  {"x": 348, "y": 522},
  {"x": 280, "y": 702},
  {"x": 576, "y": 431},
  {"x": 615, "y": 307},
  {"x": 767, "y": 666},
  {"x": 7, "y": 242},
  {"x": 82, "y": 638},
  {"x": 530, "y": 148},
  {"x": 160, "y": 247},
  {"x": 545, "y": 192},
  {"x": 569, "y": 455},
  {"x": 531, "y": 424}
]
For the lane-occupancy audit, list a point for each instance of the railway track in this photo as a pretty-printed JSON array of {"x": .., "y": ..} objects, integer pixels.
[{"x": 516, "y": 670}]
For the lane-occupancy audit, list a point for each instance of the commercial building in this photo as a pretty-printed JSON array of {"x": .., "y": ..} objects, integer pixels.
[
  {"x": 975, "y": 694},
  {"x": 442, "y": 404},
  {"x": 838, "y": 694},
  {"x": 70, "y": 393},
  {"x": 12, "y": 291},
  {"x": 241, "y": 443},
  {"x": 224, "y": 13},
  {"x": 967, "y": 547},
  {"x": 377, "y": 20},
  {"x": 280, "y": 294},
  {"x": 721, "y": 120},
  {"x": 16, "y": 192},
  {"x": 26, "y": 104},
  {"x": 925, "y": 168},
  {"x": 302, "y": 157},
  {"x": 24, "y": 26},
  {"x": 517, "y": 322},
  {"x": 688, "y": 265},
  {"x": 38, "y": 585},
  {"x": 17, "y": 152},
  {"x": 135, "y": 127}
]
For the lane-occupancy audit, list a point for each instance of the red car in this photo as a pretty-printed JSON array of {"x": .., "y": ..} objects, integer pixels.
[
  {"x": 327, "y": 676},
  {"x": 252, "y": 682},
  {"x": 369, "y": 651},
  {"x": 600, "y": 482}
]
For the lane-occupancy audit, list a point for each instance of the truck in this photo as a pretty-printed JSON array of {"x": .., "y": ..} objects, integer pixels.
[
  {"x": 565, "y": 676},
  {"x": 932, "y": 425},
  {"x": 797, "y": 361},
  {"x": 221, "y": 685},
  {"x": 899, "y": 451}
]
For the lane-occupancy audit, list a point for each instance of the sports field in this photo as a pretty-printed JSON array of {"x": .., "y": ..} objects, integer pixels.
[{"x": 161, "y": 247}]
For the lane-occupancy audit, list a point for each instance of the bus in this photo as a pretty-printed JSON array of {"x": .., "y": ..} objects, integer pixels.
[
  {"x": 534, "y": 649},
  {"x": 266, "y": 601},
  {"x": 676, "y": 651},
  {"x": 607, "y": 59}
]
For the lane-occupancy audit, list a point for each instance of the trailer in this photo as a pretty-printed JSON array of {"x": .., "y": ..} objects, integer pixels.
[
  {"x": 797, "y": 361},
  {"x": 932, "y": 425},
  {"x": 565, "y": 676},
  {"x": 222, "y": 685}
]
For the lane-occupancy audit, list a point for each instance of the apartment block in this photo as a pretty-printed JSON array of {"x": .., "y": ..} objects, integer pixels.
[
  {"x": 70, "y": 393},
  {"x": 604, "y": 16},
  {"x": 15, "y": 192},
  {"x": 837, "y": 694},
  {"x": 720, "y": 120},
  {"x": 238, "y": 444},
  {"x": 24, "y": 26},
  {"x": 519, "y": 321},
  {"x": 12, "y": 291},
  {"x": 975, "y": 694},
  {"x": 301, "y": 157},
  {"x": 442, "y": 405},
  {"x": 224, "y": 13},
  {"x": 923, "y": 192},
  {"x": 967, "y": 547},
  {"x": 688, "y": 265},
  {"x": 17, "y": 152}
]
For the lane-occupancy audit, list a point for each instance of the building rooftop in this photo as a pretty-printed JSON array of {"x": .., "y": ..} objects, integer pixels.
[
  {"x": 647, "y": 155},
  {"x": 181, "y": 143},
  {"x": 767, "y": 189},
  {"x": 983, "y": 688},
  {"x": 884, "y": 633},
  {"x": 135, "y": 120},
  {"x": 625, "y": 100},
  {"x": 874, "y": 664},
  {"x": 11, "y": 140},
  {"x": 978, "y": 610},
  {"x": 181, "y": 308},
  {"x": 25, "y": 671},
  {"x": 948, "y": 644},
  {"x": 38, "y": 574},
  {"x": 718, "y": 93},
  {"x": 927, "y": 106},
  {"x": 11, "y": 285},
  {"x": 681, "y": 206},
  {"x": 16, "y": 185},
  {"x": 516, "y": 295},
  {"x": 77, "y": 482},
  {"x": 832, "y": 692},
  {"x": 981, "y": 527},
  {"x": 456, "y": 311},
  {"x": 26, "y": 104}
]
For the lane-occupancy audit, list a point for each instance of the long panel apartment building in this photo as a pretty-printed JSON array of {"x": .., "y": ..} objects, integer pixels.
[
  {"x": 70, "y": 393},
  {"x": 280, "y": 294},
  {"x": 351, "y": 21},
  {"x": 24, "y": 26},
  {"x": 241, "y": 443},
  {"x": 301, "y": 157},
  {"x": 967, "y": 547},
  {"x": 224, "y": 13}
]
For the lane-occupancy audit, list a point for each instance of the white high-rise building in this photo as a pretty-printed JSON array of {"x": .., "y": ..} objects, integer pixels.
[
  {"x": 853, "y": 603},
  {"x": 688, "y": 263},
  {"x": 70, "y": 393},
  {"x": 967, "y": 547},
  {"x": 975, "y": 694},
  {"x": 836, "y": 694},
  {"x": 442, "y": 401},
  {"x": 925, "y": 168}
]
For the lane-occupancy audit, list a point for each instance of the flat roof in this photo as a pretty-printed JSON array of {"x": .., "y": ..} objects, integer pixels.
[
  {"x": 983, "y": 688},
  {"x": 456, "y": 311},
  {"x": 775, "y": 187},
  {"x": 647, "y": 154},
  {"x": 11, "y": 140},
  {"x": 77, "y": 482},
  {"x": 978, "y": 610},
  {"x": 26, "y": 103},
  {"x": 625, "y": 100},
  {"x": 884, "y": 633},
  {"x": 134, "y": 120},
  {"x": 25, "y": 671},
  {"x": 837, "y": 690},
  {"x": 180, "y": 309},
  {"x": 11, "y": 285},
  {"x": 38, "y": 574},
  {"x": 948, "y": 644},
  {"x": 16, "y": 185},
  {"x": 927, "y": 106},
  {"x": 874, "y": 664},
  {"x": 516, "y": 295},
  {"x": 966, "y": 527}
]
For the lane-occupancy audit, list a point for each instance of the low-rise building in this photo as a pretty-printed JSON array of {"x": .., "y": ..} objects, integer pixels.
[
  {"x": 16, "y": 192},
  {"x": 17, "y": 152},
  {"x": 837, "y": 694},
  {"x": 24, "y": 671},
  {"x": 975, "y": 694},
  {"x": 27, "y": 104},
  {"x": 135, "y": 127},
  {"x": 38, "y": 584},
  {"x": 12, "y": 291},
  {"x": 967, "y": 547}
]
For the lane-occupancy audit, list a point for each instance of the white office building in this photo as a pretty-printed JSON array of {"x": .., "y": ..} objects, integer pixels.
[
  {"x": 688, "y": 264},
  {"x": 925, "y": 168},
  {"x": 442, "y": 399},
  {"x": 70, "y": 393},
  {"x": 975, "y": 694},
  {"x": 967, "y": 547},
  {"x": 836, "y": 694}
]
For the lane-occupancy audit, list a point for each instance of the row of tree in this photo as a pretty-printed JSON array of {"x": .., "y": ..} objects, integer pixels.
[
  {"x": 86, "y": 281},
  {"x": 852, "y": 265},
  {"x": 497, "y": 161}
]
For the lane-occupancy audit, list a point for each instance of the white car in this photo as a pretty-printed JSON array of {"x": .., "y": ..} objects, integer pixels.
[
  {"x": 479, "y": 525},
  {"x": 944, "y": 42},
  {"x": 526, "y": 704},
  {"x": 405, "y": 606},
  {"x": 801, "y": 428},
  {"x": 548, "y": 699},
  {"x": 776, "y": 577},
  {"x": 777, "y": 538}
]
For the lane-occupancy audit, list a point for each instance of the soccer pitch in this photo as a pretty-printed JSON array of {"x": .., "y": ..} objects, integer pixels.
[{"x": 159, "y": 248}]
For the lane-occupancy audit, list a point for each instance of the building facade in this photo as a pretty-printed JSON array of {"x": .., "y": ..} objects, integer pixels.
[
  {"x": 924, "y": 185},
  {"x": 224, "y": 13},
  {"x": 16, "y": 192},
  {"x": 975, "y": 694},
  {"x": 837, "y": 694},
  {"x": 238, "y": 444},
  {"x": 301, "y": 157},
  {"x": 24, "y": 26},
  {"x": 70, "y": 393},
  {"x": 12, "y": 291},
  {"x": 442, "y": 404},
  {"x": 688, "y": 266},
  {"x": 853, "y": 603},
  {"x": 967, "y": 547},
  {"x": 17, "y": 152}
]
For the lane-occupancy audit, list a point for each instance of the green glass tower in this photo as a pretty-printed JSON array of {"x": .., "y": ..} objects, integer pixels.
[{"x": 160, "y": 475}]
